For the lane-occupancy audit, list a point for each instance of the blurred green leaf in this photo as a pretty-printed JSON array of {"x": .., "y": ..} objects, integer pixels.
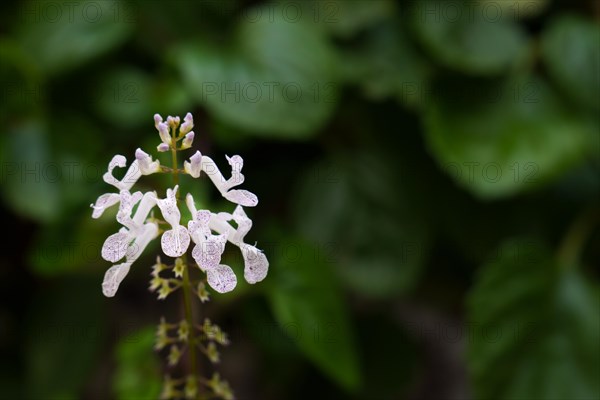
[
  {"x": 309, "y": 306},
  {"x": 358, "y": 210},
  {"x": 29, "y": 181},
  {"x": 170, "y": 97},
  {"x": 79, "y": 150},
  {"x": 571, "y": 52},
  {"x": 536, "y": 328},
  {"x": 162, "y": 26},
  {"x": 15, "y": 58},
  {"x": 129, "y": 97},
  {"x": 124, "y": 98},
  {"x": 73, "y": 244},
  {"x": 500, "y": 139},
  {"x": 138, "y": 372},
  {"x": 385, "y": 63},
  {"x": 64, "y": 335},
  {"x": 63, "y": 34},
  {"x": 466, "y": 39},
  {"x": 23, "y": 93},
  {"x": 275, "y": 80},
  {"x": 347, "y": 18}
]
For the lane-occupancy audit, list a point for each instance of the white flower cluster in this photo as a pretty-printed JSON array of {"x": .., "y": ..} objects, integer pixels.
[{"x": 138, "y": 230}]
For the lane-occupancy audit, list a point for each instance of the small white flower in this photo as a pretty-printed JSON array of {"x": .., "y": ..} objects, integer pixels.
[
  {"x": 256, "y": 265},
  {"x": 175, "y": 241},
  {"x": 173, "y": 122},
  {"x": 209, "y": 247},
  {"x": 163, "y": 132},
  {"x": 147, "y": 166},
  {"x": 238, "y": 196},
  {"x": 130, "y": 241},
  {"x": 187, "y": 141},
  {"x": 193, "y": 167},
  {"x": 244, "y": 224},
  {"x": 115, "y": 274},
  {"x": 157, "y": 120},
  {"x": 188, "y": 124},
  {"x": 110, "y": 199},
  {"x": 163, "y": 147},
  {"x": 117, "y": 245}
]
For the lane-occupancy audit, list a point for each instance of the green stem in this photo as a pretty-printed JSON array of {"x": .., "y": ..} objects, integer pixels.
[
  {"x": 187, "y": 297},
  {"x": 175, "y": 169},
  {"x": 569, "y": 251},
  {"x": 187, "y": 289}
]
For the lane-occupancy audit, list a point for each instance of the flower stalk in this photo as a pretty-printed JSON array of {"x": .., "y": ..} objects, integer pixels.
[
  {"x": 209, "y": 232},
  {"x": 189, "y": 317}
]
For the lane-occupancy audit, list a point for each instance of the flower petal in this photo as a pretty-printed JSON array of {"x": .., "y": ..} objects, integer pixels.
[
  {"x": 198, "y": 227},
  {"x": 163, "y": 147},
  {"x": 188, "y": 124},
  {"x": 237, "y": 178},
  {"x": 115, "y": 246},
  {"x": 147, "y": 166},
  {"x": 193, "y": 167},
  {"x": 188, "y": 140},
  {"x": 256, "y": 264},
  {"x": 244, "y": 224},
  {"x": 146, "y": 205},
  {"x": 191, "y": 204},
  {"x": 236, "y": 162},
  {"x": 128, "y": 200},
  {"x": 157, "y": 120},
  {"x": 221, "y": 278},
  {"x": 113, "y": 277},
  {"x": 163, "y": 132},
  {"x": 175, "y": 242},
  {"x": 148, "y": 233},
  {"x": 117, "y": 161},
  {"x": 103, "y": 202},
  {"x": 131, "y": 176},
  {"x": 214, "y": 174},
  {"x": 207, "y": 253},
  {"x": 168, "y": 207},
  {"x": 242, "y": 197}
]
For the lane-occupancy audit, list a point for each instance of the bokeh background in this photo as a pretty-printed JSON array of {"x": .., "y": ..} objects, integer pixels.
[{"x": 428, "y": 176}]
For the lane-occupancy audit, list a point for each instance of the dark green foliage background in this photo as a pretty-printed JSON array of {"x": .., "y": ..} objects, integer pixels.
[{"x": 428, "y": 176}]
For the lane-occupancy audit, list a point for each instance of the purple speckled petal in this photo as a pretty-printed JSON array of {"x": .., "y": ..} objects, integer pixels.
[
  {"x": 115, "y": 246},
  {"x": 207, "y": 254},
  {"x": 103, "y": 202},
  {"x": 113, "y": 278},
  {"x": 221, "y": 278},
  {"x": 242, "y": 197},
  {"x": 175, "y": 242},
  {"x": 256, "y": 264}
]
